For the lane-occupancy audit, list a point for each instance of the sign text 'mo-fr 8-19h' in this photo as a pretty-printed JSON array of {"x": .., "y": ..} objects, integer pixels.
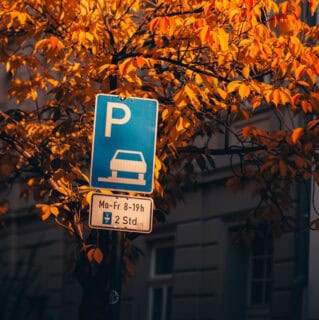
[{"x": 124, "y": 141}]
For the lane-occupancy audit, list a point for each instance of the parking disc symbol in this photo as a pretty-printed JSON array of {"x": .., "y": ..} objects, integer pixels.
[
  {"x": 124, "y": 143},
  {"x": 127, "y": 167},
  {"x": 107, "y": 218}
]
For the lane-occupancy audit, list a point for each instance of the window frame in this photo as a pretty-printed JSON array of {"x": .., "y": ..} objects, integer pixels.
[
  {"x": 159, "y": 281},
  {"x": 264, "y": 279}
]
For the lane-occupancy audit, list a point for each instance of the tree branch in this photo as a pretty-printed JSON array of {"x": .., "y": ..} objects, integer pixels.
[{"x": 220, "y": 152}]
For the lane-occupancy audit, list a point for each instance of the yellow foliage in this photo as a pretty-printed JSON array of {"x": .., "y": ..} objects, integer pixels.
[
  {"x": 47, "y": 210},
  {"x": 209, "y": 63}
]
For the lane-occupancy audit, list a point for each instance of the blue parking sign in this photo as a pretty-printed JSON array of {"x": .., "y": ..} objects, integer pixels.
[{"x": 124, "y": 142}]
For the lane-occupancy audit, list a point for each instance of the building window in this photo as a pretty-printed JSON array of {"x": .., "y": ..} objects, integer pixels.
[
  {"x": 161, "y": 289},
  {"x": 260, "y": 272}
]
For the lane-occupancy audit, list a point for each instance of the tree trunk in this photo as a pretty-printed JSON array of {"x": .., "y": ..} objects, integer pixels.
[
  {"x": 94, "y": 279},
  {"x": 99, "y": 280},
  {"x": 95, "y": 297}
]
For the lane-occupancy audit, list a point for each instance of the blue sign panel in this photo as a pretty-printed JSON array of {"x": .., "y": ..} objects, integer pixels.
[{"x": 124, "y": 141}]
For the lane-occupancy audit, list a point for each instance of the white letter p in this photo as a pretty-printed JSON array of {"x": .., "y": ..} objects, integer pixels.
[{"x": 109, "y": 116}]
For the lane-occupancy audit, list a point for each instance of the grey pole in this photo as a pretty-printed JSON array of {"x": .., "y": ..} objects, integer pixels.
[{"x": 116, "y": 275}]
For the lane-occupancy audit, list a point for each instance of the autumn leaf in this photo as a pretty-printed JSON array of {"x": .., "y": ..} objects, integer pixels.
[
  {"x": 246, "y": 71},
  {"x": 158, "y": 167},
  {"x": 249, "y": 3},
  {"x": 256, "y": 101},
  {"x": 45, "y": 211},
  {"x": 297, "y": 133},
  {"x": 98, "y": 255},
  {"x": 40, "y": 44},
  {"x": 31, "y": 182},
  {"x": 205, "y": 34},
  {"x": 233, "y": 86},
  {"x": 95, "y": 254},
  {"x": 4, "y": 206},
  {"x": 312, "y": 124},
  {"x": 192, "y": 95},
  {"x": 180, "y": 124},
  {"x": 53, "y": 41},
  {"x": 223, "y": 39},
  {"x": 90, "y": 254},
  {"x": 153, "y": 24},
  {"x": 139, "y": 62},
  {"x": 306, "y": 106},
  {"x": 54, "y": 210},
  {"x": 246, "y": 132},
  {"x": 299, "y": 71},
  {"x": 244, "y": 90},
  {"x": 88, "y": 197},
  {"x": 313, "y": 4}
]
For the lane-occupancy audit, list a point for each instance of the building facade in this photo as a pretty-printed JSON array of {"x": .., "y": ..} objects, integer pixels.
[{"x": 194, "y": 269}]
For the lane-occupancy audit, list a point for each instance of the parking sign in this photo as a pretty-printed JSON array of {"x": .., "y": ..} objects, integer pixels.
[
  {"x": 121, "y": 213},
  {"x": 124, "y": 142}
]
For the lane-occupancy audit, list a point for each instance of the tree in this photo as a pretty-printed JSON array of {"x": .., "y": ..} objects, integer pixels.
[{"x": 210, "y": 64}]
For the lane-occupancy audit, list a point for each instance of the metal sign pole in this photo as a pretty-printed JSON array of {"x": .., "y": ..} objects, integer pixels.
[
  {"x": 116, "y": 275},
  {"x": 123, "y": 159}
]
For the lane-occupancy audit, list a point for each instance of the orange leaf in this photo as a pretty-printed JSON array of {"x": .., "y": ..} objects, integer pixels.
[
  {"x": 90, "y": 254},
  {"x": 45, "y": 211},
  {"x": 31, "y": 182},
  {"x": 245, "y": 72},
  {"x": 299, "y": 71},
  {"x": 98, "y": 255},
  {"x": 199, "y": 23},
  {"x": 95, "y": 254},
  {"x": 244, "y": 90},
  {"x": 154, "y": 23},
  {"x": 164, "y": 24},
  {"x": 54, "y": 41},
  {"x": 233, "y": 86},
  {"x": 249, "y": 3},
  {"x": 3, "y": 207},
  {"x": 246, "y": 132},
  {"x": 204, "y": 34},
  {"x": 88, "y": 197},
  {"x": 223, "y": 39},
  {"x": 179, "y": 124},
  {"x": 54, "y": 210},
  {"x": 276, "y": 97},
  {"x": 296, "y": 97},
  {"x": 139, "y": 62},
  {"x": 40, "y": 44},
  {"x": 306, "y": 106},
  {"x": 256, "y": 102},
  {"x": 312, "y": 124},
  {"x": 297, "y": 134},
  {"x": 313, "y": 4}
]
